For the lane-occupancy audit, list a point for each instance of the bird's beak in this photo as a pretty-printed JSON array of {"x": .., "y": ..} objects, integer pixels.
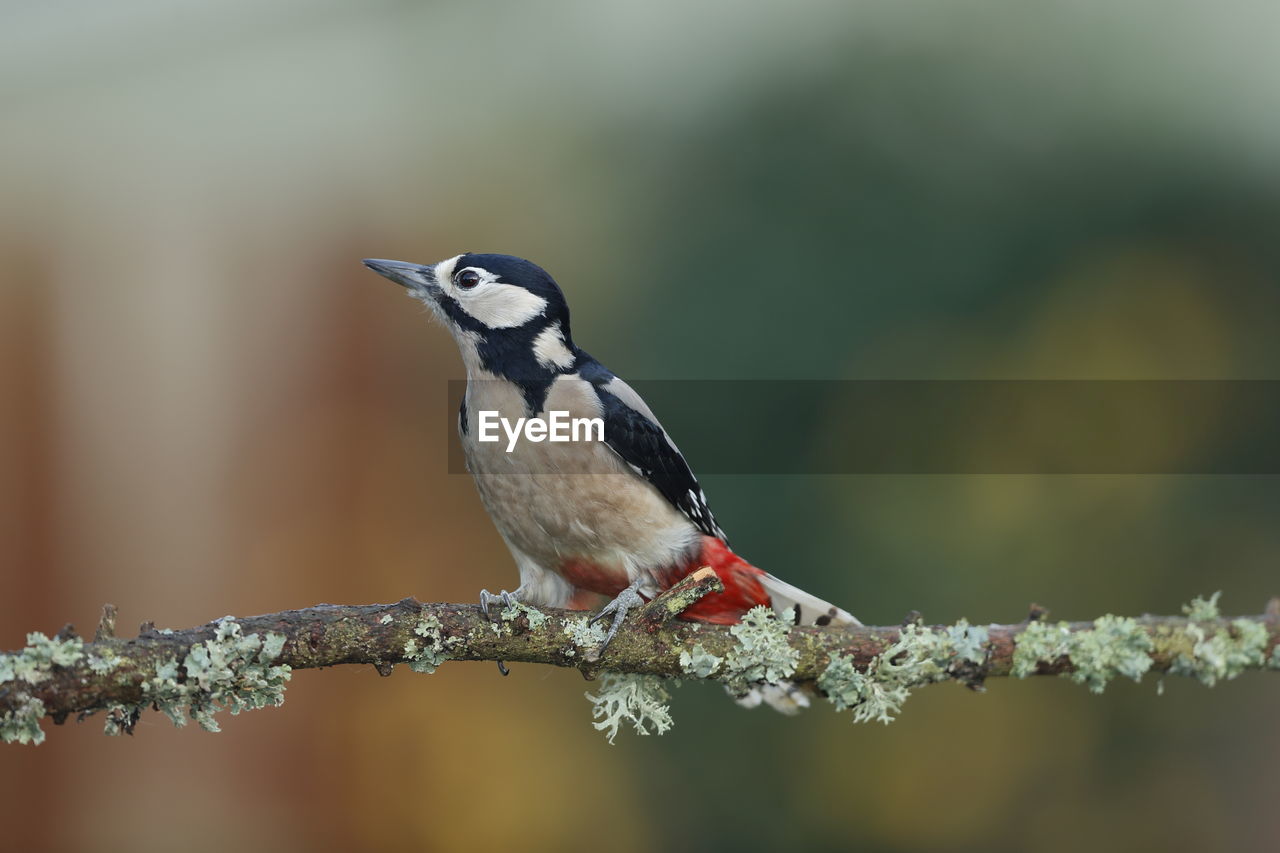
[{"x": 412, "y": 276}]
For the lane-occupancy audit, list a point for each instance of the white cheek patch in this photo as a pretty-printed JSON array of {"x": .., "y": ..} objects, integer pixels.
[
  {"x": 549, "y": 348},
  {"x": 500, "y": 306}
]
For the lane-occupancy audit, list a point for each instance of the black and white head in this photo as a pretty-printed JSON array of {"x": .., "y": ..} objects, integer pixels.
[{"x": 507, "y": 314}]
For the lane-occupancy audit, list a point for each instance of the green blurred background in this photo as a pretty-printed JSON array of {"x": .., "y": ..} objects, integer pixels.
[{"x": 211, "y": 408}]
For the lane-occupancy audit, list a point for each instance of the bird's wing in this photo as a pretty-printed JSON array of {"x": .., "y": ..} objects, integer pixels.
[{"x": 632, "y": 432}]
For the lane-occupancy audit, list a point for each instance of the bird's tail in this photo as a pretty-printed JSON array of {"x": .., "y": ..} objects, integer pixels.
[
  {"x": 798, "y": 607},
  {"x": 745, "y": 587}
]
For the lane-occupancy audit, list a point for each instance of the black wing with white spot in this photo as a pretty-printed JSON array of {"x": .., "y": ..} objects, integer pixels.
[{"x": 632, "y": 431}]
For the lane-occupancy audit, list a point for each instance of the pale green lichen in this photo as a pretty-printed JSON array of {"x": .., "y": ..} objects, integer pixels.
[
  {"x": 104, "y": 663},
  {"x": 1201, "y": 610},
  {"x": 22, "y": 724},
  {"x": 969, "y": 641},
  {"x": 232, "y": 671},
  {"x": 516, "y": 609},
  {"x": 1115, "y": 646},
  {"x": 1224, "y": 654},
  {"x": 1211, "y": 654},
  {"x": 869, "y": 697},
  {"x": 583, "y": 635},
  {"x": 640, "y": 700},
  {"x": 434, "y": 649},
  {"x": 386, "y": 619},
  {"x": 698, "y": 662},
  {"x": 762, "y": 653},
  {"x": 1118, "y": 646},
  {"x": 919, "y": 656},
  {"x": 842, "y": 683},
  {"x": 165, "y": 691},
  {"x": 1039, "y": 641},
  {"x": 34, "y": 663},
  {"x": 236, "y": 671}
]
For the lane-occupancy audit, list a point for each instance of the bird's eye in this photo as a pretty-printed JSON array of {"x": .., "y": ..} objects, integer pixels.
[{"x": 467, "y": 279}]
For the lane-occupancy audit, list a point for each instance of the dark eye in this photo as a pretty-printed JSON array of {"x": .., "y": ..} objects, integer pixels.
[{"x": 467, "y": 279}]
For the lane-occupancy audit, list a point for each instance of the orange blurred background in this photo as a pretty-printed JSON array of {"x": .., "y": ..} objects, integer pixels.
[{"x": 209, "y": 407}]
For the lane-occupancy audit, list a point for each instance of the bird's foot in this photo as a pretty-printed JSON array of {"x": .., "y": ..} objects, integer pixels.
[
  {"x": 507, "y": 599},
  {"x": 487, "y": 598},
  {"x": 619, "y": 607}
]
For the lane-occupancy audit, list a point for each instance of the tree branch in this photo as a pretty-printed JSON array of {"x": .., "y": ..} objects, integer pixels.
[{"x": 242, "y": 663}]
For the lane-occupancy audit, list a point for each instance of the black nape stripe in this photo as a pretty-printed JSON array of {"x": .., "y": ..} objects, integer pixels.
[{"x": 509, "y": 355}]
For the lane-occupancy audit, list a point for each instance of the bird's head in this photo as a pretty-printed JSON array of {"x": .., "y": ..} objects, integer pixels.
[{"x": 507, "y": 314}]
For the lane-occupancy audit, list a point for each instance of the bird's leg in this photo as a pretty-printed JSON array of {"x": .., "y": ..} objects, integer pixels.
[
  {"x": 507, "y": 599},
  {"x": 619, "y": 607}
]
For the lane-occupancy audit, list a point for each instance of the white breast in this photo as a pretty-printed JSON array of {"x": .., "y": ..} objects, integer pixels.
[{"x": 572, "y": 501}]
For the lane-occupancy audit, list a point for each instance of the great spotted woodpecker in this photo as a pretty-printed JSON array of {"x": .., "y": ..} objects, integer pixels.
[{"x": 622, "y": 517}]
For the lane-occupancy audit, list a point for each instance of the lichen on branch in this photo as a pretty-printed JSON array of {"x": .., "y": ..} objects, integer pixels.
[{"x": 240, "y": 664}]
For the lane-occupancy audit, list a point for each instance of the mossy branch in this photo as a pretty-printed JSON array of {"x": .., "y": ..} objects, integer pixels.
[{"x": 236, "y": 664}]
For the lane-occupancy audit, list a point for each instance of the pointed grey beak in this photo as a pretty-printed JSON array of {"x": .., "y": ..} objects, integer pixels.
[{"x": 412, "y": 276}]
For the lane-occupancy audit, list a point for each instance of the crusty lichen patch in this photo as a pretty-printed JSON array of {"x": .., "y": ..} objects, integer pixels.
[
  {"x": 1223, "y": 653},
  {"x": 22, "y": 724},
  {"x": 1039, "y": 642},
  {"x": 919, "y": 656},
  {"x": 762, "y": 654},
  {"x": 516, "y": 609},
  {"x": 33, "y": 664},
  {"x": 1115, "y": 646},
  {"x": 871, "y": 698},
  {"x": 231, "y": 671},
  {"x": 698, "y": 662},
  {"x": 1120, "y": 646},
  {"x": 1203, "y": 609},
  {"x": 969, "y": 642},
  {"x": 433, "y": 649},
  {"x": 582, "y": 635}
]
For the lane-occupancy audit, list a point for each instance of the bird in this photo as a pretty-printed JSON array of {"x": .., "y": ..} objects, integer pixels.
[{"x": 622, "y": 515}]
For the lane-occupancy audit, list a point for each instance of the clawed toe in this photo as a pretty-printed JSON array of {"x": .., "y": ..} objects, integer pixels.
[
  {"x": 619, "y": 608},
  {"x": 487, "y": 598}
]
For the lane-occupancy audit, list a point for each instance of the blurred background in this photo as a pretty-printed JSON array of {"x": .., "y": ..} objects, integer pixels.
[{"x": 209, "y": 407}]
